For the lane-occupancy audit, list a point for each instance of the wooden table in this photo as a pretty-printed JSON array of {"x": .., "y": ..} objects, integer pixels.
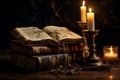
[{"x": 9, "y": 72}]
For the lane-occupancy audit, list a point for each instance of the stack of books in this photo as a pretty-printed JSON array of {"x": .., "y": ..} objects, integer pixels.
[{"x": 41, "y": 49}]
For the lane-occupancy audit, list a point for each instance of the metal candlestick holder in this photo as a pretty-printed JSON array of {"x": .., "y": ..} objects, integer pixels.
[
  {"x": 86, "y": 48},
  {"x": 82, "y": 25},
  {"x": 92, "y": 59}
]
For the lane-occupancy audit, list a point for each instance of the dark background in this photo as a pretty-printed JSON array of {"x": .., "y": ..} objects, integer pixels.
[{"x": 40, "y": 13}]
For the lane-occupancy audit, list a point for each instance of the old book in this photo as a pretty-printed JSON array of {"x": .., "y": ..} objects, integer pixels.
[
  {"x": 63, "y": 34},
  {"x": 38, "y": 63},
  {"x": 39, "y": 50},
  {"x": 32, "y": 36},
  {"x": 48, "y": 35}
]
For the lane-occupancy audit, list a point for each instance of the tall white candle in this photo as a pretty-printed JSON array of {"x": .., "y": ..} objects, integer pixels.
[
  {"x": 83, "y": 12},
  {"x": 90, "y": 20}
]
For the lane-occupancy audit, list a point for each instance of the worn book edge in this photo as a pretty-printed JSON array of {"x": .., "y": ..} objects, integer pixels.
[
  {"x": 32, "y": 36},
  {"x": 41, "y": 62},
  {"x": 62, "y": 34}
]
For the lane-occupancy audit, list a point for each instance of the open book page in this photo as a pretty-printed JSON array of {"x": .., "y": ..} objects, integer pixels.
[
  {"x": 62, "y": 34},
  {"x": 32, "y": 35}
]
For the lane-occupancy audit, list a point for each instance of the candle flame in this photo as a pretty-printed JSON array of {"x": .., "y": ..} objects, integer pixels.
[
  {"x": 83, "y": 3},
  {"x": 90, "y": 10},
  {"x": 111, "y": 49}
]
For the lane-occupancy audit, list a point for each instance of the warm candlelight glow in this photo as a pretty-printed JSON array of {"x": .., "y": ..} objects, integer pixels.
[
  {"x": 111, "y": 50},
  {"x": 83, "y": 3},
  {"x": 90, "y": 20},
  {"x": 111, "y": 77},
  {"x": 83, "y": 12},
  {"x": 110, "y": 53},
  {"x": 90, "y": 10}
]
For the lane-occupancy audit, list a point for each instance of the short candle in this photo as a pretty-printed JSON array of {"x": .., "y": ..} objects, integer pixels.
[{"x": 110, "y": 52}]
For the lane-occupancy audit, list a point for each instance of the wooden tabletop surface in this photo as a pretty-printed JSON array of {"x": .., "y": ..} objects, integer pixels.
[{"x": 9, "y": 72}]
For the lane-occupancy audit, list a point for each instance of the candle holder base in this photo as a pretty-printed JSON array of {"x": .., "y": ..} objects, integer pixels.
[
  {"x": 114, "y": 62},
  {"x": 92, "y": 59}
]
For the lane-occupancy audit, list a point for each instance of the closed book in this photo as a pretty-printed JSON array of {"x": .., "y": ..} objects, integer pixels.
[
  {"x": 39, "y": 63},
  {"x": 42, "y": 50}
]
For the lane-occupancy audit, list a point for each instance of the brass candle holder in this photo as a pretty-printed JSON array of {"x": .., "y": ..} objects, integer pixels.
[
  {"x": 86, "y": 48},
  {"x": 82, "y": 25},
  {"x": 92, "y": 59}
]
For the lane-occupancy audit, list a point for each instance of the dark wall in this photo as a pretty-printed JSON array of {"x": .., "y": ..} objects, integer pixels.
[{"x": 21, "y": 13}]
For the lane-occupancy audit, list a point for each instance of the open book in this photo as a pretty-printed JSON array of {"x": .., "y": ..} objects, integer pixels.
[
  {"x": 62, "y": 34},
  {"x": 32, "y": 35},
  {"x": 47, "y": 35}
]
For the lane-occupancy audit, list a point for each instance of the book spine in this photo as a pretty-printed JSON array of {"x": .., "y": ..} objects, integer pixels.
[
  {"x": 37, "y": 50},
  {"x": 39, "y": 63},
  {"x": 27, "y": 50}
]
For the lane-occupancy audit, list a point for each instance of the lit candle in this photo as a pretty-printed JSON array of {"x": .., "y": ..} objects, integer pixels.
[
  {"x": 83, "y": 12},
  {"x": 90, "y": 20},
  {"x": 110, "y": 54}
]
